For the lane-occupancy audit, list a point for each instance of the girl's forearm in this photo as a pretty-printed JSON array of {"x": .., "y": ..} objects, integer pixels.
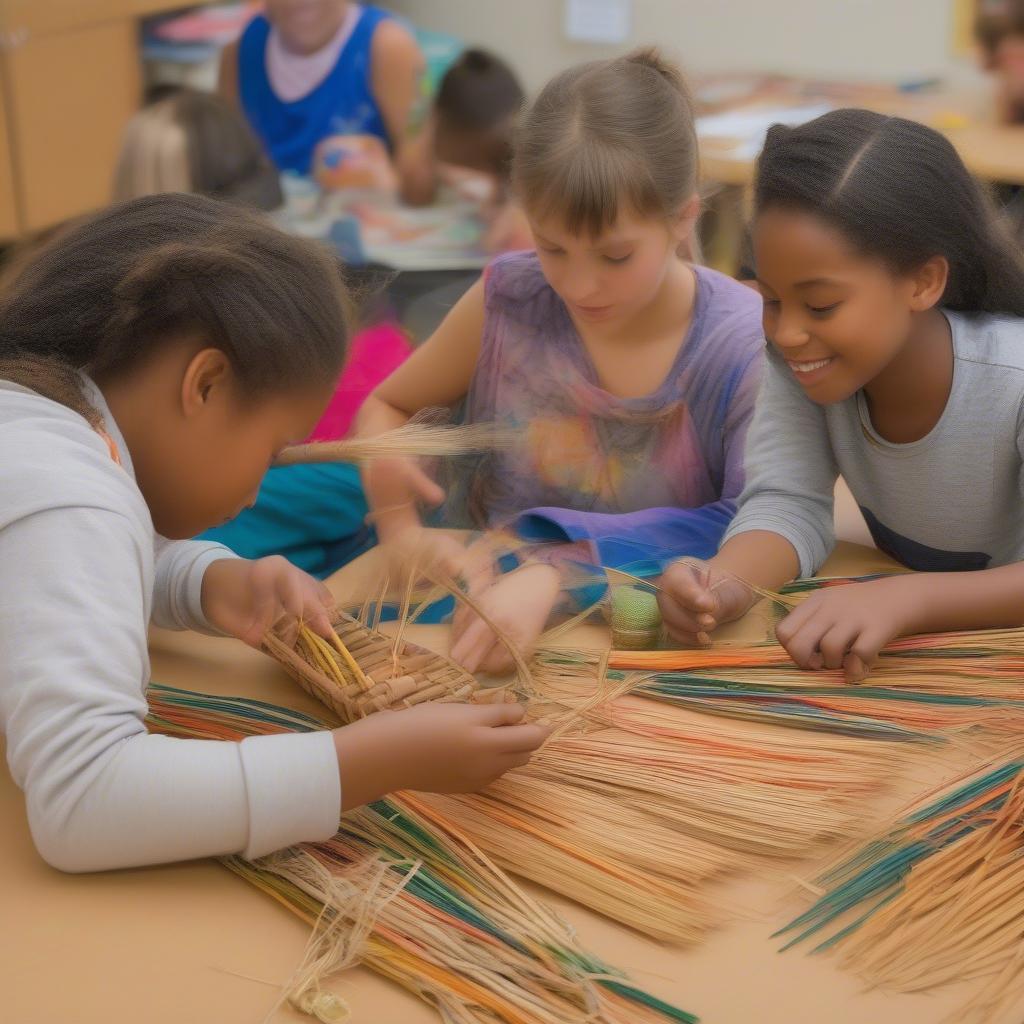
[
  {"x": 391, "y": 499},
  {"x": 760, "y": 557},
  {"x": 987, "y": 599}
]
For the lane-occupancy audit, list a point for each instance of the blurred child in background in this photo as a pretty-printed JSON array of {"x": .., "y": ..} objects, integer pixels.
[{"x": 307, "y": 70}]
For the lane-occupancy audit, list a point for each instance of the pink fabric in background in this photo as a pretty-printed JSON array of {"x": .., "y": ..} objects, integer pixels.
[{"x": 374, "y": 354}]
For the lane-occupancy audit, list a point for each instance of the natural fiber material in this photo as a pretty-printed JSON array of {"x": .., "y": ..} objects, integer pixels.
[
  {"x": 923, "y": 688},
  {"x": 641, "y": 798},
  {"x": 705, "y": 794},
  {"x": 936, "y": 898},
  {"x": 402, "y": 889},
  {"x": 414, "y": 439},
  {"x": 361, "y": 671}
]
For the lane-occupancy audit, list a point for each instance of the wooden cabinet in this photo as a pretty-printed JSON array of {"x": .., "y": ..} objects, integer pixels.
[
  {"x": 8, "y": 209},
  {"x": 70, "y": 78}
]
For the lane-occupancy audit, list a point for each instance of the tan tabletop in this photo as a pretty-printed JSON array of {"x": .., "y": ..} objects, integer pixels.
[
  {"x": 991, "y": 151},
  {"x": 192, "y": 943}
]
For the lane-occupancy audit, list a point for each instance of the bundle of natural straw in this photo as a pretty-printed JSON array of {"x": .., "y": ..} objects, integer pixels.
[
  {"x": 401, "y": 889},
  {"x": 414, "y": 439},
  {"x": 923, "y": 688},
  {"x": 630, "y": 814},
  {"x": 877, "y": 712},
  {"x": 709, "y": 809},
  {"x": 619, "y": 860},
  {"x": 978, "y": 654},
  {"x": 936, "y": 898}
]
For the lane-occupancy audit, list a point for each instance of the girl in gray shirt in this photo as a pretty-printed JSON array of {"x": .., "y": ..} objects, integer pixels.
[{"x": 892, "y": 306}]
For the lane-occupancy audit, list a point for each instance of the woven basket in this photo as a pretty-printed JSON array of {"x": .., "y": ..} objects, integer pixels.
[{"x": 389, "y": 679}]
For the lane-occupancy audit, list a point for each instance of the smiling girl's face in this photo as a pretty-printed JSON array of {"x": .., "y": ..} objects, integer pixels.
[{"x": 837, "y": 317}]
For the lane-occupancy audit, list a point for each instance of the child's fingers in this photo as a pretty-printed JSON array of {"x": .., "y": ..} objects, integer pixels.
[
  {"x": 318, "y": 618},
  {"x": 497, "y": 661},
  {"x": 864, "y": 653},
  {"x": 448, "y": 558},
  {"x": 683, "y": 582},
  {"x": 430, "y": 493},
  {"x": 504, "y": 714},
  {"x": 516, "y": 761},
  {"x": 478, "y": 570},
  {"x": 681, "y": 622},
  {"x": 470, "y": 648},
  {"x": 803, "y": 644},
  {"x": 796, "y": 619},
  {"x": 286, "y": 628},
  {"x": 854, "y": 668},
  {"x": 520, "y": 739},
  {"x": 324, "y": 595},
  {"x": 460, "y": 621},
  {"x": 265, "y": 613},
  {"x": 292, "y": 594},
  {"x": 836, "y": 643}
]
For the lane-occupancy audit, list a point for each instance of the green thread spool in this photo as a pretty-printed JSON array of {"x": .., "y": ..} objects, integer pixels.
[{"x": 635, "y": 618}]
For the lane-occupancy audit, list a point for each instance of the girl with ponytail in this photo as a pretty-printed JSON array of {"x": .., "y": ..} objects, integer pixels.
[
  {"x": 894, "y": 313},
  {"x": 626, "y": 372}
]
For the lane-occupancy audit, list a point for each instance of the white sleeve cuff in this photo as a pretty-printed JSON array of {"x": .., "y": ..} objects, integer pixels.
[
  {"x": 195, "y": 616},
  {"x": 811, "y": 548},
  {"x": 293, "y": 788},
  {"x": 178, "y": 583}
]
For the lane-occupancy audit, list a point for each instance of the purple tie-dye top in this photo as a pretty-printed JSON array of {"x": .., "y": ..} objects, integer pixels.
[{"x": 585, "y": 451}]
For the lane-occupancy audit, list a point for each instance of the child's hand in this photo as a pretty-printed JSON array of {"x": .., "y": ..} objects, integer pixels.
[
  {"x": 405, "y": 486},
  {"x": 434, "y": 554},
  {"x": 519, "y": 604},
  {"x": 846, "y": 627},
  {"x": 438, "y": 748},
  {"x": 245, "y": 598},
  {"x": 695, "y": 600}
]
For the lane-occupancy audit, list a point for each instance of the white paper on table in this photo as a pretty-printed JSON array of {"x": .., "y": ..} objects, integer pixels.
[{"x": 747, "y": 128}]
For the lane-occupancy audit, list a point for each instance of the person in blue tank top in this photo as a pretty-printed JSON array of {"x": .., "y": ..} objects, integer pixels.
[{"x": 307, "y": 70}]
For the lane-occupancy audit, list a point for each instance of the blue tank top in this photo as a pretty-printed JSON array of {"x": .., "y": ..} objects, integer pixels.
[{"x": 342, "y": 104}]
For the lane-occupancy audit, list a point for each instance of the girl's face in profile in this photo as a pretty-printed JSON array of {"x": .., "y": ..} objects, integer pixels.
[{"x": 206, "y": 445}]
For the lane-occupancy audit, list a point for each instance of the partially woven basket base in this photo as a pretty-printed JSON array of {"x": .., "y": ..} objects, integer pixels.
[{"x": 387, "y": 678}]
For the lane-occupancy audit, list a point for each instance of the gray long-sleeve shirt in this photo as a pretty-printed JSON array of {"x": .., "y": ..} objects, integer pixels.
[
  {"x": 949, "y": 501},
  {"x": 81, "y": 574}
]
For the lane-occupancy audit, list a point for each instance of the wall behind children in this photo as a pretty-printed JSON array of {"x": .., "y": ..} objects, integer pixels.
[{"x": 885, "y": 40}]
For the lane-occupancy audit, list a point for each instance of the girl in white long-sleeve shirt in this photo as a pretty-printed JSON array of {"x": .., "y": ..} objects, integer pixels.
[{"x": 153, "y": 360}]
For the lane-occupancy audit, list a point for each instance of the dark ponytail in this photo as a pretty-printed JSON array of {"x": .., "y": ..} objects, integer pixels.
[
  {"x": 103, "y": 295},
  {"x": 898, "y": 191}
]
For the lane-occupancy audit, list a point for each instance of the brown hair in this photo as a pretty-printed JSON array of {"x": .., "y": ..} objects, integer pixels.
[
  {"x": 604, "y": 133},
  {"x": 190, "y": 141},
  {"x": 996, "y": 19},
  {"x": 104, "y": 294},
  {"x": 477, "y": 102},
  {"x": 899, "y": 192}
]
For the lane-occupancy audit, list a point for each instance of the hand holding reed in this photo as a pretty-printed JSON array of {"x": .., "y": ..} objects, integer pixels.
[
  {"x": 695, "y": 599},
  {"x": 437, "y": 748}
]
